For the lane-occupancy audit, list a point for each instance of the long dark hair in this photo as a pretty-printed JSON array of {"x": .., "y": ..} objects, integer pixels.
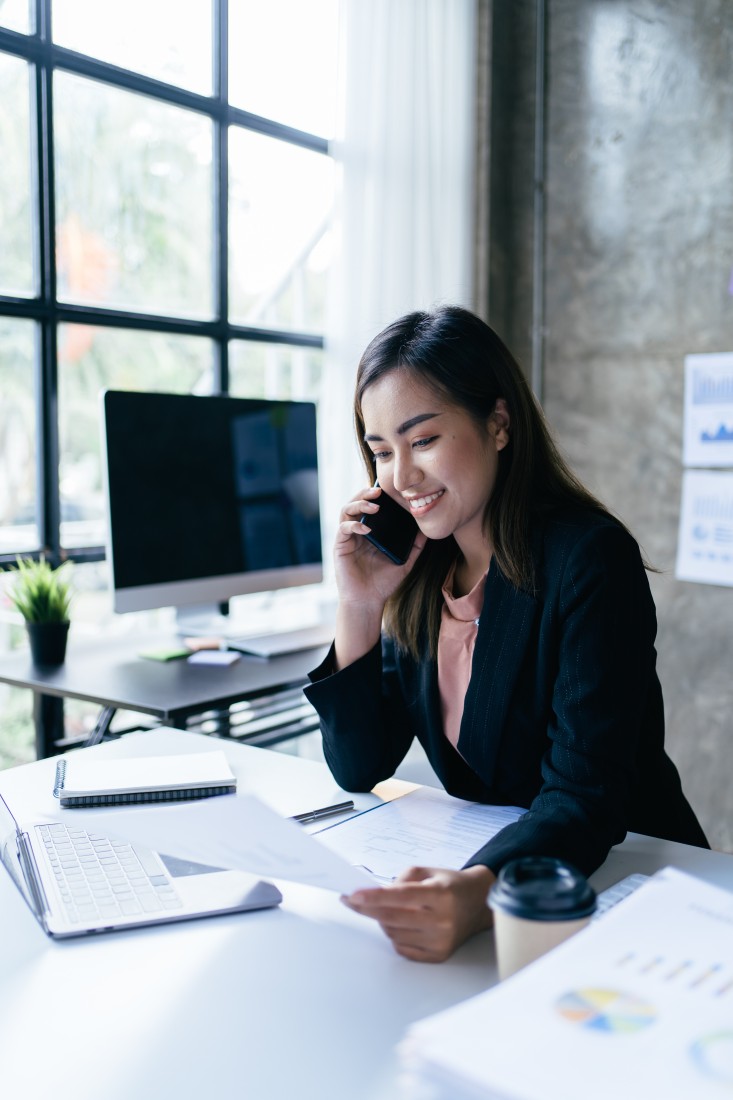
[{"x": 463, "y": 360}]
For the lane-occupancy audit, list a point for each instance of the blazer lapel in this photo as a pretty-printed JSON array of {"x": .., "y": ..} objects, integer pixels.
[{"x": 504, "y": 630}]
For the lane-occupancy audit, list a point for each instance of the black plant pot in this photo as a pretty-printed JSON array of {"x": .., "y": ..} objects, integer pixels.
[{"x": 48, "y": 642}]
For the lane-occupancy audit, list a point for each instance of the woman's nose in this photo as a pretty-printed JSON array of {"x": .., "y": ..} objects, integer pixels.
[{"x": 405, "y": 472}]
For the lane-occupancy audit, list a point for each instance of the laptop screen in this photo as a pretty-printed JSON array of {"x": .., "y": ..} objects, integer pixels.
[{"x": 9, "y": 852}]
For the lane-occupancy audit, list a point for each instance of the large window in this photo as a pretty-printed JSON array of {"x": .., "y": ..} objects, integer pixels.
[{"x": 165, "y": 203}]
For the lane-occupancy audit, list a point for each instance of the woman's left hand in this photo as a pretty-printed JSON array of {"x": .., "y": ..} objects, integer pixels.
[{"x": 428, "y": 912}]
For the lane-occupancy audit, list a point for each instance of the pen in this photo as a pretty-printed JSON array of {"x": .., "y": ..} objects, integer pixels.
[{"x": 325, "y": 811}]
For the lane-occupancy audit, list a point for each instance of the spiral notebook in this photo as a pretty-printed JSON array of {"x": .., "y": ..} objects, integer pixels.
[{"x": 82, "y": 782}]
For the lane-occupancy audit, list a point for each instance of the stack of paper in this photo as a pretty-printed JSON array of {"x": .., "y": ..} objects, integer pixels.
[{"x": 638, "y": 1005}]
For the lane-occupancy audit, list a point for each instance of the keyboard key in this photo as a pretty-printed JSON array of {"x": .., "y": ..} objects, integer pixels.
[{"x": 149, "y": 863}]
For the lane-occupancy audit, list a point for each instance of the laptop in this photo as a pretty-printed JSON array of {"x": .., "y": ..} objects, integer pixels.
[{"x": 77, "y": 883}]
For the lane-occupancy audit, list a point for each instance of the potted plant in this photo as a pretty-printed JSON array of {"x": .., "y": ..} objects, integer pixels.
[{"x": 42, "y": 595}]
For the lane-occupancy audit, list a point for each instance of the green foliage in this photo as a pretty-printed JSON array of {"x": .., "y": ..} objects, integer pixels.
[{"x": 40, "y": 593}]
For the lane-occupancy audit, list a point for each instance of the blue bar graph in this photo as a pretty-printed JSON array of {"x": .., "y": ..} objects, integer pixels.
[{"x": 708, "y": 390}]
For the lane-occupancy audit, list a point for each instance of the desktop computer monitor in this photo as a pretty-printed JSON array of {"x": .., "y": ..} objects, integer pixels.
[{"x": 209, "y": 497}]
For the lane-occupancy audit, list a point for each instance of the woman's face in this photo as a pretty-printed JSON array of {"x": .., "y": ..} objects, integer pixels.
[{"x": 432, "y": 455}]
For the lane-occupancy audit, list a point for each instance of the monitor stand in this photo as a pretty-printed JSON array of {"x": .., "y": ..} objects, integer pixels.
[
  {"x": 214, "y": 621},
  {"x": 203, "y": 620},
  {"x": 274, "y": 613}
]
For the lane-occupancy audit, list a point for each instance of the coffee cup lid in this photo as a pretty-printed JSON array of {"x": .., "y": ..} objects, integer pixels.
[{"x": 542, "y": 888}]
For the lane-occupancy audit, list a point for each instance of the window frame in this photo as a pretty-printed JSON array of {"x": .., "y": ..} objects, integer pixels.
[{"x": 44, "y": 308}]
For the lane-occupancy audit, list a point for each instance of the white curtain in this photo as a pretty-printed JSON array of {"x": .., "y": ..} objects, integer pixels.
[{"x": 404, "y": 217}]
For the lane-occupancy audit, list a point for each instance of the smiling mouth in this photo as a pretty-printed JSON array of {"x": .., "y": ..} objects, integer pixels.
[{"x": 416, "y": 503}]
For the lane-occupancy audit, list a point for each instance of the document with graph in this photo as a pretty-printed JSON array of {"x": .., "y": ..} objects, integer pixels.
[
  {"x": 708, "y": 421},
  {"x": 705, "y": 542},
  {"x": 639, "y": 1004}
]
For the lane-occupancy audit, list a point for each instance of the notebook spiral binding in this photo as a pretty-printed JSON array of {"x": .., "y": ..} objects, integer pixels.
[
  {"x": 182, "y": 795},
  {"x": 60, "y": 778}
]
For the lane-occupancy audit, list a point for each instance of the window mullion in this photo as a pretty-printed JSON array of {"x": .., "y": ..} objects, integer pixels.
[
  {"x": 48, "y": 435},
  {"x": 49, "y": 506},
  {"x": 221, "y": 191}
]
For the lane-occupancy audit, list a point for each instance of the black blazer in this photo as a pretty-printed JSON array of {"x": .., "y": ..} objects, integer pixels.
[{"x": 563, "y": 713}]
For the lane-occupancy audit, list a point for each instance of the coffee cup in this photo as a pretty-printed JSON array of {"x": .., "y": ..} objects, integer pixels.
[{"x": 537, "y": 902}]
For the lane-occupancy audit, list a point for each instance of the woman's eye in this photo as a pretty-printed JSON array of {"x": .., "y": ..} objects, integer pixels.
[
  {"x": 424, "y": 442},
  {"x": 376, "y": 455}
]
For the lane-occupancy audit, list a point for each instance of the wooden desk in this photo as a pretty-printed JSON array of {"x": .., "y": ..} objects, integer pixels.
[
  {"x": 111, "y": 674},
  {"x": 304, "y": 1002}
]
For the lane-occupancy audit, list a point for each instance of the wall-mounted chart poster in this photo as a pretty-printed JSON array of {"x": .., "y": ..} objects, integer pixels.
[
  {"x": 708, "y": 417},
  {"x": 705, "y": 542}
]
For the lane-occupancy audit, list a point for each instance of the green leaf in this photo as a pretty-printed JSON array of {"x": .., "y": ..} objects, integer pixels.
[{"x": 40, "y": 593}]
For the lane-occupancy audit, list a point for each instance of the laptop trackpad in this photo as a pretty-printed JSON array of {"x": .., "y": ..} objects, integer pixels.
[
  {"x": 221, "y": 891},
  {"x": 201, "y": 885},
  {"x": 180, "y": 868}
]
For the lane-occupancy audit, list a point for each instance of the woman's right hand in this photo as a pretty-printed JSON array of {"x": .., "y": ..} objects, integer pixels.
[
  {"x": 365, "y": 578},
  {"x": 365, "y": 575}
]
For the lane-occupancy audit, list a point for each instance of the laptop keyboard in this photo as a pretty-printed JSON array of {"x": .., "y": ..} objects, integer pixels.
[{"x": 102, "y": 878}]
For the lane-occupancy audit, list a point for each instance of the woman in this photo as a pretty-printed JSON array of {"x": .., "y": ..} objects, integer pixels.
[{"x": 516, "y": 642}]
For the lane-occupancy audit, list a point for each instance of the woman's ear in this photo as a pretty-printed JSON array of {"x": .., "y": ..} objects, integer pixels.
[{"x": 499, "y": 424}]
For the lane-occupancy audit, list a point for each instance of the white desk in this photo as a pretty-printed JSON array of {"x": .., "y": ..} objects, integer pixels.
[{"x": 305, "y": 1002}]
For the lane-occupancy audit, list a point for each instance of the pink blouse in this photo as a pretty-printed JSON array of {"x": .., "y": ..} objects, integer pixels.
[{"x": 458, "y": 629}]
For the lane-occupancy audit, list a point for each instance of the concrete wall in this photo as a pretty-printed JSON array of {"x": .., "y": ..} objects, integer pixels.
[{"x": 638, "y": 252}]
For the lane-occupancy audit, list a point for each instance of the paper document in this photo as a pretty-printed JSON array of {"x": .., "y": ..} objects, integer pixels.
[
  {"x": 708, "y": 417},
  {"x": 235, "y": 832},
  {"x": 705, "y": 542},
  {"x": 213, "y": 657},
  {"x": 639, "y": 1004},
  {"x": 426, "y": 827}
]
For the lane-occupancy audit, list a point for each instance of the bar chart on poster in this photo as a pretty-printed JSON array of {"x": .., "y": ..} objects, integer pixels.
[{"x": 705, "y": 538}]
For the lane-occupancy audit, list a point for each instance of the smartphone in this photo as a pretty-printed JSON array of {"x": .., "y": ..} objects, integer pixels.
[{"x": 393, "y": 529}]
